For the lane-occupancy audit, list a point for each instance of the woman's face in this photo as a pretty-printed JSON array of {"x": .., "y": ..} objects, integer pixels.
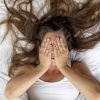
[{"x": 52, "y": 36}]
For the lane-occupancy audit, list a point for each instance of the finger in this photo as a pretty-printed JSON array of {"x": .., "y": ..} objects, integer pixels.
[
  {"x": 43, "y": 43},
  {"x": 59, "y": 45},
  {"x": 48, "y": 49},
  {"x": 63, "y": 44},
  {"x": 55, "y": 51},
  {"x": 56, "y": 43},
  {"x": 57, "y": 48},
  {"x": 42, "y": 46},
  {"x": 46, "y": 44}
]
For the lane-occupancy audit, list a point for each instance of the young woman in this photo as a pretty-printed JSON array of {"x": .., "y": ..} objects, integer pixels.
[{"x": 44, "y": 70}]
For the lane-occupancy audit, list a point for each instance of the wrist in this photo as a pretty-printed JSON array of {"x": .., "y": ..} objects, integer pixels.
[
  {"x": 64, "y": 68},
  {"x": 41, "y": 68}
]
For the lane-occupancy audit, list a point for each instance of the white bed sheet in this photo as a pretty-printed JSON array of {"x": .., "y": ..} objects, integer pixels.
[{"x": 90, "y": 57}]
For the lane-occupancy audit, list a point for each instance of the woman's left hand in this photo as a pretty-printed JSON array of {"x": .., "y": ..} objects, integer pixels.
[{"x": 60, "y": 52}]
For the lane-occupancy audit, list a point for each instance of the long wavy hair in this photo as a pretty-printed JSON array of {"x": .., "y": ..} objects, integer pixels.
[{"x": 54, "y": 15}]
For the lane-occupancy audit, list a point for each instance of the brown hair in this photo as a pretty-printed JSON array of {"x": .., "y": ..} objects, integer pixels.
[{"x": 61, "y": 15}]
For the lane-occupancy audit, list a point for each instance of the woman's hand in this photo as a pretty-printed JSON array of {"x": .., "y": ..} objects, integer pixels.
[
  {"x": 45, "y": 54},
  {"x": 61, "y": 53}
]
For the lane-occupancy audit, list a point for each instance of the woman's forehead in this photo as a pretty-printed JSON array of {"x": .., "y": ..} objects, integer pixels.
[{"x": 53, "y": 35}]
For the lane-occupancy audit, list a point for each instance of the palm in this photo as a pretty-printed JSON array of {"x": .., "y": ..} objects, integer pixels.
[{"x": 61, "y": 53}]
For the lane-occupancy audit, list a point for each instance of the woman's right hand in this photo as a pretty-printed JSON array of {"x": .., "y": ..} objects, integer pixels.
[{"x": 45, "y": 54}]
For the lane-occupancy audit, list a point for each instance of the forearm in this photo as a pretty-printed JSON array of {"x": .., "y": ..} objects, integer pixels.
[
  {"x": 18, "y": 85},
  {"x": 88, "y": 86}
]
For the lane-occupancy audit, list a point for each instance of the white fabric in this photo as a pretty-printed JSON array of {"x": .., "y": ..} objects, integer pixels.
[
  {"x": 91, "y": 57},
  {"x": 5, "y": 54},
  {"x": 61, "y": 90}
]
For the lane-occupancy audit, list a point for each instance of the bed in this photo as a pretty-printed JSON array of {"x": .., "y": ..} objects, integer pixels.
[{"x": 90, "y": 57}]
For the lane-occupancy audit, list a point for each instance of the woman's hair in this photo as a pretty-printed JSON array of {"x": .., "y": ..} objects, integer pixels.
[{"x": 66, "y": 16}]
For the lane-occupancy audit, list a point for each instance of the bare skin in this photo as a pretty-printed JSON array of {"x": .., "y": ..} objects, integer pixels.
[
  {"x": 54, "y": 59},
  {"x": 57, "y": 75}
]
